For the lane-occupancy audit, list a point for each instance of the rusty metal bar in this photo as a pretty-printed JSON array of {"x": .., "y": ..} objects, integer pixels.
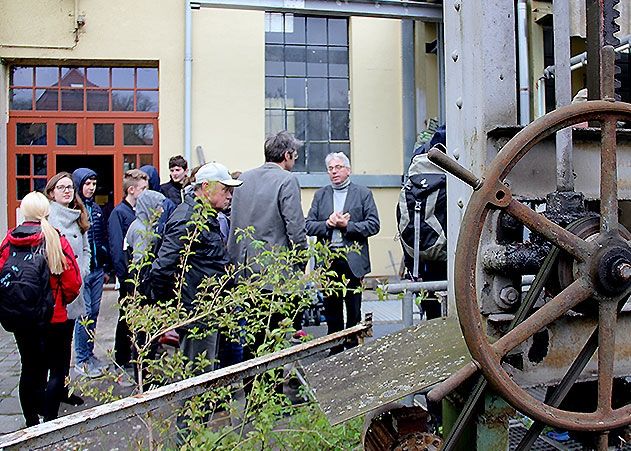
[
  {"x": 607, "y": 320},
  {"x": 448, "y": 164},
  {"x": 97, "y": 417}
]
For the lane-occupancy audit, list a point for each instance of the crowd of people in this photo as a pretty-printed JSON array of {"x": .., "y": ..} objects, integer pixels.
[{"x": 84, "y": 250}]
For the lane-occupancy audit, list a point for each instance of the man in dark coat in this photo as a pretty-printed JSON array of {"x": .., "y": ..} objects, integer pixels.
[
  {"x": 213, "y": 185},
  {"x": 134, "y": 182},
  {"x": 177, "y": 175},
  {"x": 343, "y": 214},
  {"x": 85, "y": 181}
]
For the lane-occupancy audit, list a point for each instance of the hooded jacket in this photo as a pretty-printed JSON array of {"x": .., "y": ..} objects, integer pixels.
[
  {"x": 64, "y": 219},
  {"x": 65, "y": 286},
  {"x": 121, "y": 218},
  {"x": 167, "y": 204},
  {"x": 97, "y": 234},
  {"x": 138, "y": 237}
]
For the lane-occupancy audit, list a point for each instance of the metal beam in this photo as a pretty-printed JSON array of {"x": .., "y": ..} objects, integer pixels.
[
  {"x": 97, "y": 417},
  {"x": 396, "y": 9}
]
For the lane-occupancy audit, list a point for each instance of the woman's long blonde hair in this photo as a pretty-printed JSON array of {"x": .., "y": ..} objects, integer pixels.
[{"x": 35, "y": 207}]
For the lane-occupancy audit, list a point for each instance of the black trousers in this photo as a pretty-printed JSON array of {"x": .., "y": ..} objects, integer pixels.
[
  {"x": 33, "y": 375},
  {"x": 58, "y": 349},
  {"x": 334, "y": 304},
  {"x": 122, "y": 338}
]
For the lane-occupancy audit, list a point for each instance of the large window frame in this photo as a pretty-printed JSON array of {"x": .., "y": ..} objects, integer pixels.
[{"x": 307, "y": 84}]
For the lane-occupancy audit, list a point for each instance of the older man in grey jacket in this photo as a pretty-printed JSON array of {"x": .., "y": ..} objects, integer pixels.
[
  {"x": 343, "y": 214},
  {"x": 269, "y": 201}
]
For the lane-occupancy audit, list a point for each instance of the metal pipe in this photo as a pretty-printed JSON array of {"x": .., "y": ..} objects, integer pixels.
[
  {"x": 442, "y": 112},
  {"x": 188, "y": 75},
  {"x": 408, "y": 86},
  {"x": 96, "y": 417},
  {"x": 523, "y": 63},
  {"x": 563, "y": 93},
  {"x": 438, "y": 285},
  {"x": 407, "y": 309},
  {"x": 541, "y": 93}
]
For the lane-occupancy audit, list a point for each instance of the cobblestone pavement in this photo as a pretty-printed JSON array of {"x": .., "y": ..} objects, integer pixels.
[{"x": 386, "y": 317}]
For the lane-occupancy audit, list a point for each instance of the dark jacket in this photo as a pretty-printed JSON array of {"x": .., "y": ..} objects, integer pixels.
[
  {"x": 208, "y": 254},
  {"x": 97, "y": 233},
  {"x": 121, "y": 218},
  {"x": 172, "y": 190},
  {"x": 168, "y": 206},
  {"x": 364, "y": 222}
]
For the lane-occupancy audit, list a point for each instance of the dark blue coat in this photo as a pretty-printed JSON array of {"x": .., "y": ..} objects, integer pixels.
[
  {"x": 97, "y": 233},
  {"x": 121, "y": 218},
  {"x": 167, "y": 204}
]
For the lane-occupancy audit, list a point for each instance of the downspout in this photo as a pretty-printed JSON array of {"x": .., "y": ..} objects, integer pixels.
[
  {"x": 188, "y": 66},
  {"x": 523, "y": 69}
]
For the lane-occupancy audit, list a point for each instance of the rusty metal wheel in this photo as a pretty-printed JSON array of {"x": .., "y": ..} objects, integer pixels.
[{"x": 603, "y": 268}]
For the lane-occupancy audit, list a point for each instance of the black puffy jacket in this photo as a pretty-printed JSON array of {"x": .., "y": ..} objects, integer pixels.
[{"x": 208, "y": 255}]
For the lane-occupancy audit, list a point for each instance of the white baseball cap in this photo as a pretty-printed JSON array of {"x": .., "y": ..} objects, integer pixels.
[{"x": 216, "y": 172}]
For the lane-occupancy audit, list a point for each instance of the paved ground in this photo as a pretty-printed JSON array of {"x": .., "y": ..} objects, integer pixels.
[{"x": 386, "y": 317}]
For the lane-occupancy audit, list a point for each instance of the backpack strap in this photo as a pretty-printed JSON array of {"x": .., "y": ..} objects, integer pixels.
[{"x": 417, "y": 238}]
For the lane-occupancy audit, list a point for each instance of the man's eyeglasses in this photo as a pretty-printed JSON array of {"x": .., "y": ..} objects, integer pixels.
[
  {"x": 64, "y": 188},
  {"x": 337, "y": 167}
]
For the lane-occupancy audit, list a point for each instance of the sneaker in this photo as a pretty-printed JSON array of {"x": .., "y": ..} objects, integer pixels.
[
  {"x": 98, "y": 363},
  {"x": 299, "y": 336},
  {"x": 87, "y": 369},
  {"x": 73, "y": 400}
]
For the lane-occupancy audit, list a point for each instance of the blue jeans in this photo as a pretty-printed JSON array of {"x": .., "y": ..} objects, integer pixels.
[{"x": 92, "y": 294}]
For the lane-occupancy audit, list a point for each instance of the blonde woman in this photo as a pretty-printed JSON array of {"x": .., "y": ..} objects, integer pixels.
[{"x": 36, "y": 341}]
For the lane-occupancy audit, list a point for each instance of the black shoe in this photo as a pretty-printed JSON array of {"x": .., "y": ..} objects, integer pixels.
[{"x": 73, "y": 400}]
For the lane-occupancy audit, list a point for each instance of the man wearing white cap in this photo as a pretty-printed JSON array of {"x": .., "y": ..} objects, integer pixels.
[{"x": 213, "y": 185}]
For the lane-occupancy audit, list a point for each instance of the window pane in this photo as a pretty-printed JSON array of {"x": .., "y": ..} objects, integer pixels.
[
  {"x": 39, "y": 184},
  {"x": 98, "y": 100},
  {"x": 274, "y": 28},
  {"x": 317, "y": 93},
  {"x": 274, "y": 92},
  {"x": 339, "y": 125},
  {"x": 122, "y": 100},
  {"x": 46, "y": 76},
  {"x": 316, "y": 30},
  {"x": 296, "y": 93},
  {"x": 39, "y": 165},
  {"x": 338, "y": 32},
  {"x": 338, "y": 93},
  {"x": 316, "y": 153},
  {"x": 129, "y": 162},
  {"x": 21, "y": 76},
  {"x": 345, "y": 148},
  {"x": 137, "y": 134},
  {"x": 98, "y": 76},
  {"x": 274, "y": 60},
  {"x": 316, "y": 61},
  {"x": 146, "y": 100},
  {"x": 296, "y": 60},
  {"x": 297, "y": 124},
  {"x": 23, "y": 164},
  {"x": 122, "y": 77},
  {"x": 46, "y": 99},
  {"x": 294, "y": 29},
  {"x": 21, "y": 99},
  {"x": 274, "y": 121},
  {"x": 66, "y": 134},
  {"x": 338, "y": 62},
  {"x": 147, "y": 77},
  {"x": 301, "y": 162},
  {"x": 145, "y": 159},
  {"x": 103, "y": 134},
  {"x": 23, "y": 188},
  {"x": 30, "y": 134},
  {"x": 72, "y": 99},
  {"x": 317, "y": 125},
  {"x": 72, "y": 77}
]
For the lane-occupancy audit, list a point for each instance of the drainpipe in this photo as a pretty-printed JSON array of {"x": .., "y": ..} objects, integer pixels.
[
  {"x": 522, "y": 48},
  {"x": 188, "y": 66}
]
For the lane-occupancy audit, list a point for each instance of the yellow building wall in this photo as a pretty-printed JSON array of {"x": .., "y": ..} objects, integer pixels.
[
  {"x": 229, "y": 86},
  {"x": 116, "y": 30}
]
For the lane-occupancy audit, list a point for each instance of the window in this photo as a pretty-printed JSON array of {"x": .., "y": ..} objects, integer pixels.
[
  {"x": 307, "y": 84},
  {"x": 53, "y": 88}
]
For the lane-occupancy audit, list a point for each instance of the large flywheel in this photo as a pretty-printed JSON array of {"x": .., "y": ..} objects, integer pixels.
[{"x": 600, "y": 275}]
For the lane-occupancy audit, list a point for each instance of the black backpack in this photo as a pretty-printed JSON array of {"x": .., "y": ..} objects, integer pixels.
[
  {"x": 26, "y": 298},
  {"x": 422, "y": 214}
]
